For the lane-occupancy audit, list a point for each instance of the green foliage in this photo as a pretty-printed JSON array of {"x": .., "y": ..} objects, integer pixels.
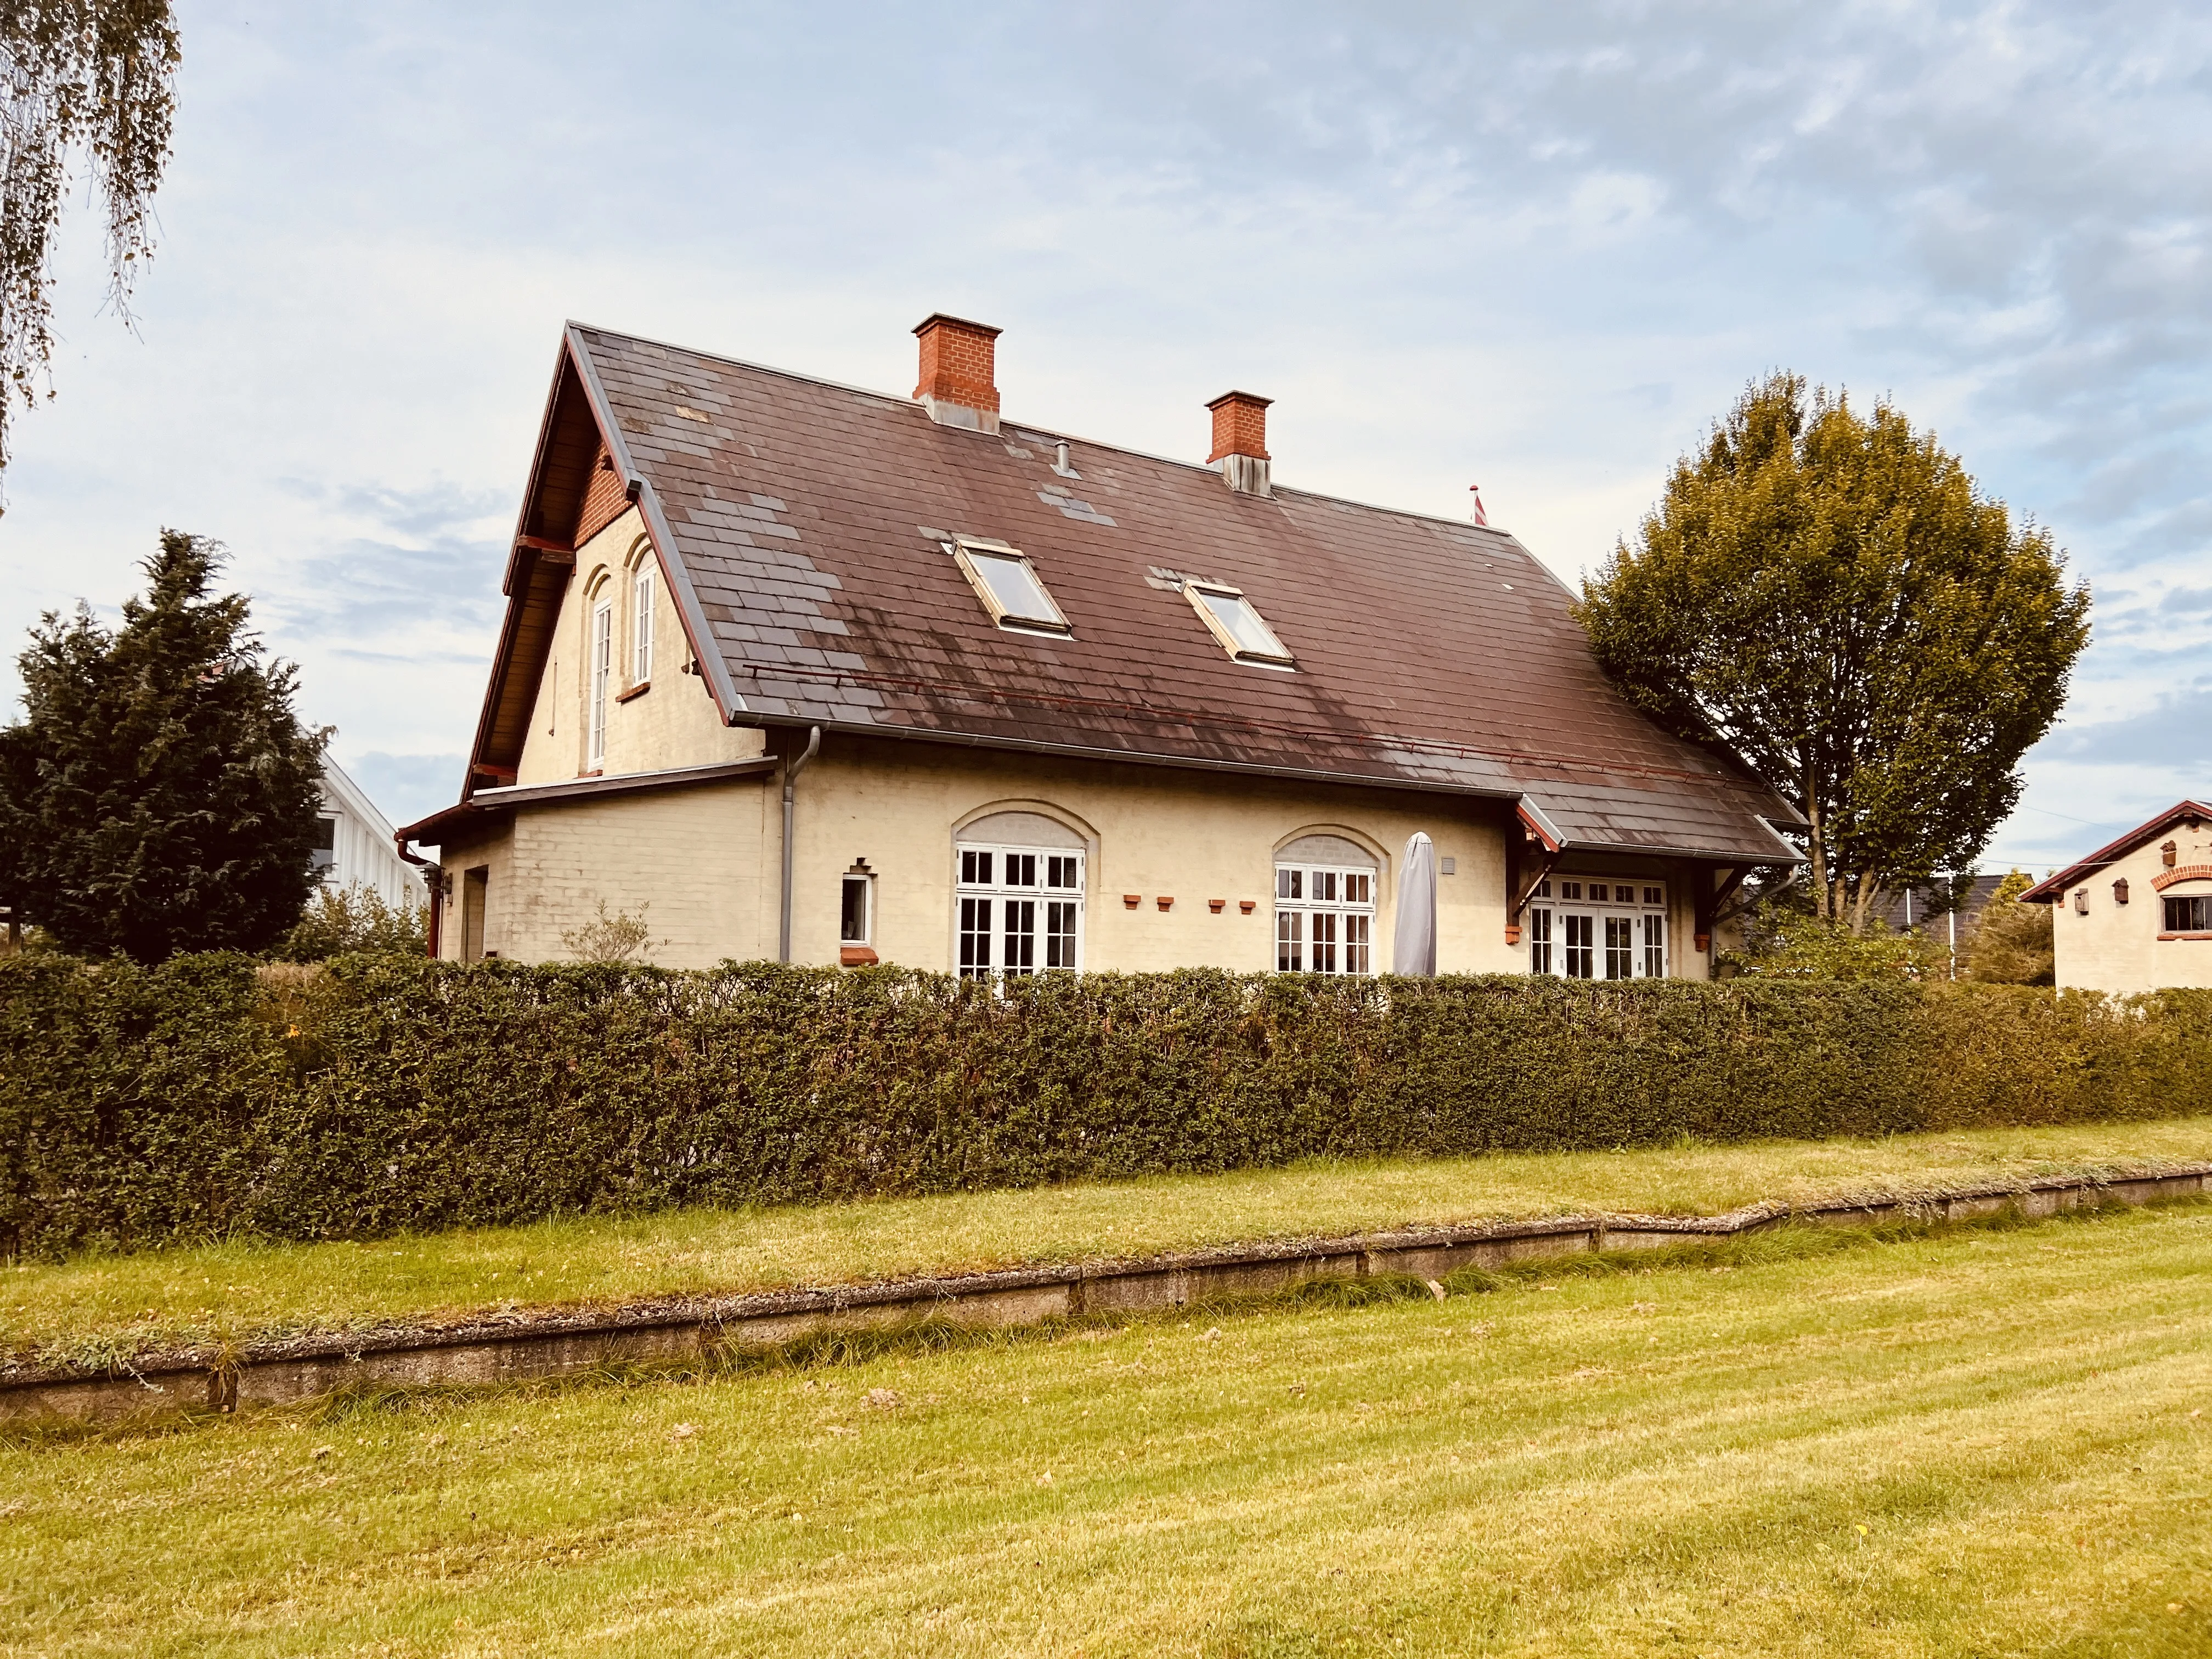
[
  {"x": 344, "y": 920},
  {"x": 2012, "y": 944},
  {"x": 1800, "y": 946},
  {"x": 201, "y": 1098},
  {"x": 159, "y": 794},
  {"x": 95, "y": 76},
  {"x": 1827, "y": 597}
]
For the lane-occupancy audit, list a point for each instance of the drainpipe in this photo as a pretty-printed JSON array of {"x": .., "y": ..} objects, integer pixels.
[
  {"x": 434, "y": 880},
  {"x": 791, "y": 777}
]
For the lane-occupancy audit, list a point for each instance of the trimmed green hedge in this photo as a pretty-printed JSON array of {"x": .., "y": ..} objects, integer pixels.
[{"x": 207, "y": 1096}]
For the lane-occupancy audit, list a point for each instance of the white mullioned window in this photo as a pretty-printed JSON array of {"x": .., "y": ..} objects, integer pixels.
[
  {"x": 1580, "y": 928},
  {"x": 603, "y": 652},
  {"x": 640, "y": 626},
  {"x": 1020, "y": 909},
  {"x": 1324, "y": 919}
]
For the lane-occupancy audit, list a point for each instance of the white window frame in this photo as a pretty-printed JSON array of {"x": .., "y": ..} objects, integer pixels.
[
  {"x": 602, "y": 651},
  {"x": 1572, "y": 935},
  {"x": 1320, "y": 928},
  {"x": 1196, "y": 591},
  {"x": 965, "y": 549},
  {"x": 641, "y": 626},
  {"x": 990, "y": 938}
]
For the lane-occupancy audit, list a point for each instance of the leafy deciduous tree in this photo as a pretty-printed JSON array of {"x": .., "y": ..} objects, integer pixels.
[
  {"x": 160, "y": 795},
  {"x": 91, "y": 75},
  {"x": 1828, "y": 598}
]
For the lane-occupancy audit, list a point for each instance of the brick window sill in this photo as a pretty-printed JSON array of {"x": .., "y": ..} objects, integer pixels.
[
  {"x": 2166, "y": 936},
  {"x": 637, "y": 690}
]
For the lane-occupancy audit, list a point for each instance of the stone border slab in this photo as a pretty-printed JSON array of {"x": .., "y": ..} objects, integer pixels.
[{"x": 546, "y": 1343}]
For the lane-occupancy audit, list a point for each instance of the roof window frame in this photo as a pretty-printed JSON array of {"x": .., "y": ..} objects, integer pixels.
[
  {"x": 963, "y": 549},
  {"x": 1195, "y": 590}
]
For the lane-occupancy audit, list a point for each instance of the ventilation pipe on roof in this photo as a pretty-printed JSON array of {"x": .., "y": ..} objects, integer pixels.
[
  {"x": 959, "y": 382},
  {"x": 791, "y": 771},
  {"x": 1240, "y": 442}
]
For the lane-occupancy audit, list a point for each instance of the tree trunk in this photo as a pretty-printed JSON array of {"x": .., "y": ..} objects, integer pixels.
[{"x": 1817, "y": 847}]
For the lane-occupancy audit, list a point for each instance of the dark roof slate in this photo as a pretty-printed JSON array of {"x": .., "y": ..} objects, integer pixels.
[{"x": 804, "y": 520}]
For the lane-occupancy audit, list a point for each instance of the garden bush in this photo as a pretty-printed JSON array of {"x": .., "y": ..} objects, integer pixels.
[{"x": 210, "y": 1097}]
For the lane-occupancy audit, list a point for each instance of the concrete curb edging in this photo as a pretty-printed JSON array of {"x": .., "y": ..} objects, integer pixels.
[{"x": 547, "y": 1343}]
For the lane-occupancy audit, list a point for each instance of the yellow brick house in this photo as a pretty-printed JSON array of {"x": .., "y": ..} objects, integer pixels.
[{"x": 793, "y": 669}]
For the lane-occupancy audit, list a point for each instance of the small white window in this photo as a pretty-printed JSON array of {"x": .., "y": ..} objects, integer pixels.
[
  {"x": 1007, "y": 583},
  {"x": 602, "y": 651},
  {"x": 1324, "y": 920},
  {"x": 1020, "y": 909},
  {"x": 1234, "y": 621},
  {"x": 856, "y": 911},
  {"x": 641, "y": 637}
]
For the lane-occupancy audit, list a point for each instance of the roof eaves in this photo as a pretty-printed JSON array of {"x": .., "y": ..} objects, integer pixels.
[{"x": 508, "y": 797}]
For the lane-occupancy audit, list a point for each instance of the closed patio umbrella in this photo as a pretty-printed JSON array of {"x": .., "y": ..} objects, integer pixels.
[{"x": 1413, "y": 949}]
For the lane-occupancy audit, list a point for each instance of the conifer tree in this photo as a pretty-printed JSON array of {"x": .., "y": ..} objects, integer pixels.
[{"x": 159, "y": 794}]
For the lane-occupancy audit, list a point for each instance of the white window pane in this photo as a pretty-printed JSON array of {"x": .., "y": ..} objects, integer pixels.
[
  {"x": 1290, "y": 954},
  {"x": 641, "y": 668},
  {"x": 1019, "y": 594},
  {"x": 1019, "y": 954},
  {"x": 1237, "y": 618},
  {"x": 975, "y": 938}
]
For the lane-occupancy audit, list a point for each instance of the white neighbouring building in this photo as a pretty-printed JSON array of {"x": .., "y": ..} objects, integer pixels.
[{"x": 357, "y": 848}]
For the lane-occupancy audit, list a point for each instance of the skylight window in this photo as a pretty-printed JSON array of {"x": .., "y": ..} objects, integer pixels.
[
  {"x": 1007, "y": 583},
  {"x": 1238, "y": 625}
]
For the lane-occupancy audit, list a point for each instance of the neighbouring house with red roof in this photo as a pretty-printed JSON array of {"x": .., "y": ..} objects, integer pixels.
[
  {"x": 2137, "y": 915},
  {"x": 791, "y": 668}
]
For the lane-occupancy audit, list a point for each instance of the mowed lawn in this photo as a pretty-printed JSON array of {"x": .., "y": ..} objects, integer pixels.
[
  {"x": 94, "y": 1310},
  {"x": 1974, "y": 1442}
]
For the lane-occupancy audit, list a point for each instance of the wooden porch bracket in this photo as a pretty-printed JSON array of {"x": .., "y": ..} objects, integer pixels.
[
  {"x": 1530, "y": 857},
  {"x": 1712, "y": 900}
]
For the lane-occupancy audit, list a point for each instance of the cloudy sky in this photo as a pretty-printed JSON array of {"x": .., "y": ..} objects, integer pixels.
[{"x": 1534, "y": 246}]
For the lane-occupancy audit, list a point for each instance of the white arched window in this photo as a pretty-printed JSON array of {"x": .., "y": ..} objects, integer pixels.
[
  {"x": 602, "y": 671},
  {"x": 1325, "y": 892},
  {"x": 641, "y": 624},
  {"x": 1018, "y": 889}
]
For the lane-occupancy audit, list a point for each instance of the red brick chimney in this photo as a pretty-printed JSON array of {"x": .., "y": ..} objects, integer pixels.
[
  {"x": 959, "y": 385},
  {"x": 1240, "y": 442}
]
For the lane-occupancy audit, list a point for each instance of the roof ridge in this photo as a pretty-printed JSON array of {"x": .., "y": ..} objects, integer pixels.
[{"x": 1043, "y": 430}]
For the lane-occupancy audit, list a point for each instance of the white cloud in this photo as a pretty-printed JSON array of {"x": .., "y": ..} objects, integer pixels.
[{"x": 1535, "y": 247}]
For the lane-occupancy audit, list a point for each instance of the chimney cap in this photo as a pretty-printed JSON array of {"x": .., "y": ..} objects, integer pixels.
[
  {"x": 936, "y": 318},
  {"x": 1251, "y": 398}
]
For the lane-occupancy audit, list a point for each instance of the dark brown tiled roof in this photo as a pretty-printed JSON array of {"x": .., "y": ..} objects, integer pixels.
[{"x": 799, "y": 520}]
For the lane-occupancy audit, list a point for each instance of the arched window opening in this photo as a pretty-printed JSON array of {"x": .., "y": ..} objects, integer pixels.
[
  {"x": 1018, "y": 895},
  {"x": 1325, "y": 895}
]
